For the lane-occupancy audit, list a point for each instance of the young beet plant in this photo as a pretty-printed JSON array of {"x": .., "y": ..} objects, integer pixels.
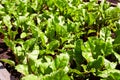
[{"x": 61, "y": 40}]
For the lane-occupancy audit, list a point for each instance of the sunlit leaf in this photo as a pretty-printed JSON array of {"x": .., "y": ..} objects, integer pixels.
[
  {"x": 6, "y": 20},
  {"x": 61, "y": 61},
  {"x": 23, "y": 35},
  {"x": 12, "y": 63},
  {"x": 31, "y": 76},
  {"x": 97, "y": 64},
  {"x": 53, "y": 45},
  {"x": 22, "y": 69}
]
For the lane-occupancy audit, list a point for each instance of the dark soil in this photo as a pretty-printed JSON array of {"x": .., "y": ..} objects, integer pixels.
[{"x": 6, "y": 53}]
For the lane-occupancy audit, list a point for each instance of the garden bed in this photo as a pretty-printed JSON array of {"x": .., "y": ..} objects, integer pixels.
[{"x": 61, "y": 40}]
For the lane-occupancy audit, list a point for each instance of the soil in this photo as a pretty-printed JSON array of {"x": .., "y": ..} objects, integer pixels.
[{"x": 6, "y": 53}]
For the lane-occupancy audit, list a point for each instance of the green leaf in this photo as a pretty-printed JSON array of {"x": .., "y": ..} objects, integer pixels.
[
  {"x": 57, "y": 75},
  {"x": 88, "y": 49},
  {"x": 100, "y": 47},
  {"x": 113, "y": 13},
  {"x": 31, "y": 66},
  {"x": 21, "y": 19},
  {"x": 88, "y": 56},
  {"x": 33, "y": 55},
  {"x": 61, "y": 61},
  {"x": 34, "y": 4},
  {"x": 44, "y": 68},
  {"x": 53, "y": 45},
  {"x": 117, "y": 56},
  {"x": 22, "y": 68},
  {"x": 12, "y": 63},
  {"x": 109, "y": 74},
  {"x": 97, "y": 64},
  {"x": 78, "y": 52},
  {"x": 23, "y": 35},
  {"x": 29, "y": 44},
  {"x": 114, "y": 76},
  {"x": 50, "y": 30},
  {"x": 47, "y": 30},
  {"x": 109, "y": 65},
  {"x": 102, "y": 7},
  {"x": 61, "y": 4},
  {"x": 117, "y": 41},
  {"x": 31, "y": 76},
  {"x": 107, "y": 48},
  {"x": 1, "y": 7},
  {"x": 43, "y": 37},
  {"x": 31, "y": 61},
  {"x": 6, "y": 20},
  {"x": 9, "y": 43},
  {"x": 76, "y": 71},
  {"x": 92, "y": 18},
  {"x": 105, "y": 34}
]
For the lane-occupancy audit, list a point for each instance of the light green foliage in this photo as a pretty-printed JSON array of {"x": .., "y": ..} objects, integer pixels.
[
  {"x": 12, "y": 63},
  {"x": 31, "y": 76},
  {"x": 97, "y": 64},
  {"x": 62, "y": 39},
  {"x": 53, "y": 45}
]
